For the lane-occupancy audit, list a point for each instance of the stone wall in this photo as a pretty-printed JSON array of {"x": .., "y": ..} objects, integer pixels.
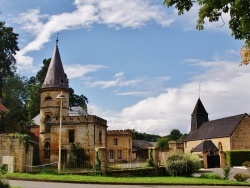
[
  {"x": 11, "y": 145},
  {"x": 241, "y": 136}
]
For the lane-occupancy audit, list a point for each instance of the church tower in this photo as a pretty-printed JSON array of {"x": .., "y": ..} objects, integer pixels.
[
  {"x": 55, "y": 83},
  {"x": 199, "y": 116}
]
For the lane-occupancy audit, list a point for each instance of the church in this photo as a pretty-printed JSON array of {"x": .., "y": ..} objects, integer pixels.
[
  {"x": 82, "y": 130},
  {"x": 209, "y": 139}
]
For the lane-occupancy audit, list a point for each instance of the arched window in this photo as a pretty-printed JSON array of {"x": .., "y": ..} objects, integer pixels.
[
  {"x": 47, "y": 123},
  {"x": 47, "y": 150},
  {"x": 48, "y": 98},
  {"x": 220, "y": 146}
]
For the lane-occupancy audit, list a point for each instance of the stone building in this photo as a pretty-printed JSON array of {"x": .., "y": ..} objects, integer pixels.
[
  {"x": 83, "y": 130},
  {"x": 119, "y": 145},
  {"x": 209, "y": 139}
]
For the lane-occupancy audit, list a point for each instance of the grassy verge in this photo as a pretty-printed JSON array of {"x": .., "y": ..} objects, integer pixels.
[{"x": 123, "y": 180}]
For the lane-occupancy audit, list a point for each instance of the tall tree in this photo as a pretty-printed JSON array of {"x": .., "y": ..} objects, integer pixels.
[
  {"x": 15, "y": 96},
  {"x": 239, "y": 22},
  {"x": 8, "y": 48}
]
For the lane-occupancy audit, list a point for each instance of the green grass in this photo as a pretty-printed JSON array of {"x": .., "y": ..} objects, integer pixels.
[{"x": 124, "y": 180}]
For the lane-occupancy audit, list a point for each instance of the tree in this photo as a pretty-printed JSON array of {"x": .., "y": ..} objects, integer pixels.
[
  {"x": 8, "y": 48},
  {"x": 239, "y": 22},
  {"x": 162, "y": 143},
  {"x": 175, "y": 134},
  {"x": 15, "y": 96}
]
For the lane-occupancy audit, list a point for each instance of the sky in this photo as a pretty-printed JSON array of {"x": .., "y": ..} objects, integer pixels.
[{"x": 140, "y": 65}]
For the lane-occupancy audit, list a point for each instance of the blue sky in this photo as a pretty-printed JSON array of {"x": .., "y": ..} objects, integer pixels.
[{"x": 137, "y": 61}]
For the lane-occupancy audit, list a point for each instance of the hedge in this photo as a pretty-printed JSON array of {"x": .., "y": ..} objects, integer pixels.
[{"x": 236, "y": 158}]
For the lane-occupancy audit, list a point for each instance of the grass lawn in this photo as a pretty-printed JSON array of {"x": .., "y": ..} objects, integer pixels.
[{"x": 123, "y": 180}]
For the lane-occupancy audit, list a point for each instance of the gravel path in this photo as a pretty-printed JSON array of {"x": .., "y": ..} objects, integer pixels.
[{"x": 233, "y": 171}]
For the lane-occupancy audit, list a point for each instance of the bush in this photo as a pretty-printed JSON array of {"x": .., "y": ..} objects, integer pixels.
[
  {"x": 236, "y": 158},
  {"x": 4, "y": 183},
  {"x": 246, "y": 164},
  {"x": 226, "y": 172},
  {"x": 241, "y": 177},
  {"x": 180, "y": 164},
  {"x": 4, "y": 169},
  {"x": 211, "y": 176}
]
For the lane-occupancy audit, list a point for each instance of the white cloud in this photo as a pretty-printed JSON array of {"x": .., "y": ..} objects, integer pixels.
[
  {"x": 114, "y": 13},
  {"x": 224, "y": 92},
  {"x": 78, "y": 70},
  {"x": 140, "y": 86}
]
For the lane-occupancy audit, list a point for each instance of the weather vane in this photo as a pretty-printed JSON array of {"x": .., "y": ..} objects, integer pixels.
[
  {"x": 57, "y": 38},
  {"x": 199, "y": 90}
]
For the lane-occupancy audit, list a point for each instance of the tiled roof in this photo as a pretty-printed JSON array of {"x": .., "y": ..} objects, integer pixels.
[
  {"x": 216, "y": 129},
  {"x": 55, "y": 77},
  {"x": 206, "y": 145},
  {"x": 142, "y": 144},
  {"x": 2, "y": 108}
]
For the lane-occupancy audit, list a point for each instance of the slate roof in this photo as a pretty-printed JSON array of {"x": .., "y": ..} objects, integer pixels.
[
  {"x": 199, "y": 108},
  {"x": 217, "y": 128},
  {"x": 55, "y": 77},
  {"x": 206, "y": 145},
  {"x": 2, "y": 108},
  {"x": 141, "y": 144}
]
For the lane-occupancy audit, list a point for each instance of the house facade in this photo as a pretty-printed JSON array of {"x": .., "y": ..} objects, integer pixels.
[
  {"x": 82, "y": 131},
  {"x": 209, "y": 139},
  {"x": 119, "y": 145}
]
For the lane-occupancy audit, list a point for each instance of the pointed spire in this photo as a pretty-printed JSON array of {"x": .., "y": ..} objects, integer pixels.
[
  {"x": 55, "y": 77},
  {"x": 199, "y": 116},
  {"x": 199, "y": 108}
]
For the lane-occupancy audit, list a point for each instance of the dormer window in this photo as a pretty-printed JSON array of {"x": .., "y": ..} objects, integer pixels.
[{"x": 61, "y": 81}]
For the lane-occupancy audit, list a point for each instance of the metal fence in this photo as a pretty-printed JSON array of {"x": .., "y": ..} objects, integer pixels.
[{"x": 80, "y": 160}]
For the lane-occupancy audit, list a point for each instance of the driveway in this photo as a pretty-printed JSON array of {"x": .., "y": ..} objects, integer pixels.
[{"x": 233, "y": 171}]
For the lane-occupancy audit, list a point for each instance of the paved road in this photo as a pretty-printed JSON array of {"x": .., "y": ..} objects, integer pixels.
[{"x": 31, "y": 184}]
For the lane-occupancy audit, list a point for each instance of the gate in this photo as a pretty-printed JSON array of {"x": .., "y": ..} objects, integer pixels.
[{"x": 213, "y": 161}]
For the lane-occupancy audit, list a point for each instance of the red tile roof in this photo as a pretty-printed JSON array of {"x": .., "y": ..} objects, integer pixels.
[{"x": 2, "y": 108}]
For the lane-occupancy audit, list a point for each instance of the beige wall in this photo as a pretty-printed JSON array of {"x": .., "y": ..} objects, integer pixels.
[
  {"x": 225, "y": 142},
  {"x": 124, "y": 144}
]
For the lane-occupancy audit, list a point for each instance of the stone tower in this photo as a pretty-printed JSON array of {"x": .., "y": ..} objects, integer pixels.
[
  {"x": 55, "y": 83},
  {"x": 198, "y": 116}
]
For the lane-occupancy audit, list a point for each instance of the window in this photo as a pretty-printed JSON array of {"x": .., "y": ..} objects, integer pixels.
[
  {"x": 47, "y": 124},
  {"x": 48, "y": 98},
  {"x": 61, "y": 81},
  {"x": 100, "y": 137},
  {"x": 119, "y": 154},
  {"x": 46, "y": 150},
  {"x": 111, "y": 154},
  {"x": 71, "y": 136},
  {"x": 115, "y": 141}
]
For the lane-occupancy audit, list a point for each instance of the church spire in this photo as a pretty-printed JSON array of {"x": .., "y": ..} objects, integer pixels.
[
  {"x": 55, "y": 77},
  {"x": 199, "y": 116}
]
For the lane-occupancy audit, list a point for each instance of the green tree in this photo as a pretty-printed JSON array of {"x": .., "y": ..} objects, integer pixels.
[
  {"x": 239, "y": 21},
  {"x": 175, "y": 134},
  {"x": 8, "y": 48},
  {"x": 162, "y": 143},
  {"x": 15, "y": 96},
  {"x": 77, "y": 100}
]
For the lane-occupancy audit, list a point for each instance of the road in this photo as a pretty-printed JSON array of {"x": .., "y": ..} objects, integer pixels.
[{"x": 33, "y": 184}]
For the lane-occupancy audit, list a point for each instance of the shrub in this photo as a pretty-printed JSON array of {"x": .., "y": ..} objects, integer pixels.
[
  {"x": 246, "y": 164},
  {"x": 241, "y": 177},
  {"x": 226, "y": 172},
  {"x": 4, "y": 169},
  {"x": 4, "y": 183},
  {"x": 211, "y": 176},
  {"x": 180, "y": 164}
]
